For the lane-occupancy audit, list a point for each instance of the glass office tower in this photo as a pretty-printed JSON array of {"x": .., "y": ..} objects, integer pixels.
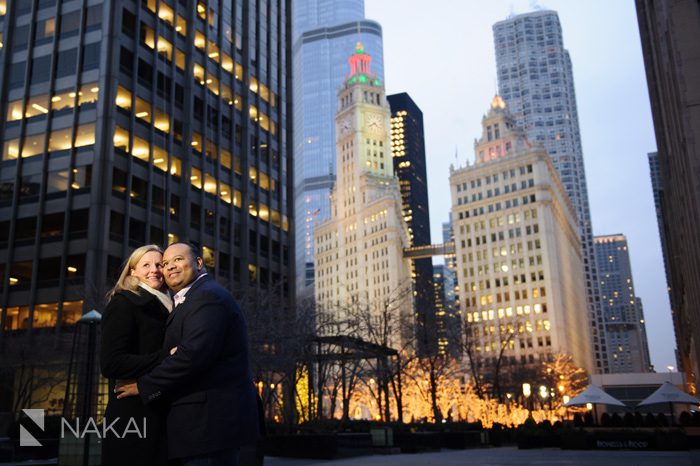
[
  {"x": 128, "y": 122},
  {"x": 326, "y": 34}
]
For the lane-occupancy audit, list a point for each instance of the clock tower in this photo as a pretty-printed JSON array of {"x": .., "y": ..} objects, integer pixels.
[{"x": 359, "y": 250}]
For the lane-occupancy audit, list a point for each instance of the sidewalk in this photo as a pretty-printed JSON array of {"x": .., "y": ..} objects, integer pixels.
[{"x": 510, "y": 456}]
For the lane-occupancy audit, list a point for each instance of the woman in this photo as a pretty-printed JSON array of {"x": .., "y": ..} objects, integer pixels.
[{"x": 133, "y": 326}]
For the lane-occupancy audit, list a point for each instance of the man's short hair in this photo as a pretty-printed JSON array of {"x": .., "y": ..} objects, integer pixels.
[{"x": 193, "y": 248}]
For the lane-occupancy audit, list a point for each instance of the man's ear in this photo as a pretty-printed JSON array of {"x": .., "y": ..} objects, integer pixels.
[{"x": 200, "y": 263}]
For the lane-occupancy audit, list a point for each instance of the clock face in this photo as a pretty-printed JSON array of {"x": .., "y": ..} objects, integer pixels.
[
  {"x": 345, "y": 126},
  {"x": 375, "y": 122}
]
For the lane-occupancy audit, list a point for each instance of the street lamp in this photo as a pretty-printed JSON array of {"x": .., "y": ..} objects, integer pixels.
[{"x": 526, "y": 393}]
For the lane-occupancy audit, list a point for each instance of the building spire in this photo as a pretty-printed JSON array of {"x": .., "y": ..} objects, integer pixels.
[
  {"x": 498, "y": 102},
  {"x": 360, "y": 61}
]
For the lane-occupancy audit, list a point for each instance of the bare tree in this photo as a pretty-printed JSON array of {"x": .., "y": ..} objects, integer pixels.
[
  {"x": 33, "y": 374},
  {"x": 384, "y": 325}
]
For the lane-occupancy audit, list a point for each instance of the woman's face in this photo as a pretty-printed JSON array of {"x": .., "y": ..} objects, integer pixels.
[{"x": 149, "y": 269}]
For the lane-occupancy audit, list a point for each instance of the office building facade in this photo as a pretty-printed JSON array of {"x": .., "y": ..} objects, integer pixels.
[
  {"x": 519, "y": 262},
  {"x": 670, "y": 43},
  {"x": 325, "y": 32},
  {"x": 535, "y": 79},
  {"x": 408, "y": 152},
  {"x": 628, "y": 348},
  {"x": 133, "y": 122}
]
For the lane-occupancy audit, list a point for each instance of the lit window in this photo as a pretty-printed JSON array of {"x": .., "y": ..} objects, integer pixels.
[
  {"x": 33, "y": 145},
  {"x": 225, "y": 192},
  {"x": 142, "y": 109},
  {"x": 88, "y": 93},
  {"x": 165, "y": 48},
  {"x": 180, "y": 59},
  {"x": 162, "y": 121},
  {"x": 213, "y": 52},
  {"x": 121, "y": 139},
  {"x": 200, "y": 41},
  {"x": 196, "y": 178},
  {"x": 166, "y": 13},
  {"x": 212, "y": 84},
  {"x": 123, "y": 99},
  {"x": 198, "y": 72},
  {"x": 226, "y": 158},
  {"x": 140, "y": 149},
  {"x": 264, "y": 212},
  {"x": 14, "y": 110},
  {"x": 181, "y": 25},
  {"x": 210, "y": 184},
  {"x": 148, "y": 36},
  {"x": 160, "y": 158}
]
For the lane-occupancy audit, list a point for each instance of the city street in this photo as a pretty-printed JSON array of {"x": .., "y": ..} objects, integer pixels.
[{"x": 510, "y": 457}]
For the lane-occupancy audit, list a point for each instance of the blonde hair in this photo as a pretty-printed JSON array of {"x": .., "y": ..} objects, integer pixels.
[{"x": 126, "y": 281}]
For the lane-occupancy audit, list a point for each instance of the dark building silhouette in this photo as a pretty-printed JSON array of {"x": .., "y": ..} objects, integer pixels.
[
  {"x": 408, "y": 150},
  {"x": 130, "y": 122},
  {"x": 671, "y": 45}
]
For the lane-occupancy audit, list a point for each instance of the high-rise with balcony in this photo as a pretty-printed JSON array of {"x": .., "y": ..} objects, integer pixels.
[
  {"x": 536, "y": 80},
  {"x": 130, "y": 122},
  {"x": 324, "y": 32},
  {"x": 628, "y": 349}
]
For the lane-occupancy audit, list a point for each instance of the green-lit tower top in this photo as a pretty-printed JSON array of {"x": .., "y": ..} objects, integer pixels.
[{"x": 360, "y": 68}]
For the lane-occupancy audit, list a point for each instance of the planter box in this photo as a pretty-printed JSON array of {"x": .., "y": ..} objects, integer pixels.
[
  {"x": 316, "y": 446},
  {"x": 462, "y": 440},
  {"x": 596, "y": 439}
]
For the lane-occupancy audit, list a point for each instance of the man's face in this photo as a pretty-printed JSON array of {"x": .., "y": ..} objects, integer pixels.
[{"x": 180, "y": 268}]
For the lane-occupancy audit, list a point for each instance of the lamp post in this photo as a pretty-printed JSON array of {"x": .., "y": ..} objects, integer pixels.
[
  {"x": 526, "y": 393},
  {"x": 544, "y": 394}
]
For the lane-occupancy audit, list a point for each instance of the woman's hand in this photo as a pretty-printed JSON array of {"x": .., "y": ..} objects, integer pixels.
[{"x": 173, "y": 350}]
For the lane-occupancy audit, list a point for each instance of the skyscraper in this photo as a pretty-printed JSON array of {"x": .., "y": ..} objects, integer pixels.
[
  {"x": 670, "y": 44},
  {"x": 448, "y": 321},
  {"x": 408, "y": 153},
  {"x": 126, "y": 123},
  {"x": 536, "y": 81},
  {"x": 628, "y": 348},
  {"x": 518, "y": 254},
  {"x": 324, "y": 32},
  {"x": 360, "y": 264}
]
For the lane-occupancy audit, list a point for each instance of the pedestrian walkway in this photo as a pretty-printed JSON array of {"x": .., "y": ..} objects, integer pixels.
[{"x": 510, "y": 456}]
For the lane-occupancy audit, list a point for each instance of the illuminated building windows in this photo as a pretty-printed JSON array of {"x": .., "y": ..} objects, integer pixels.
[
  {"x": 41, "y": 105},
  {"x": 58, "y": 140},
  {"x": 196, "y": 178}
]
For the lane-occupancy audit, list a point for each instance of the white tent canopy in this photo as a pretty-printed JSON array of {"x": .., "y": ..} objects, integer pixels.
[
  {"x": 669, "y": 393},
  {"x": 594, "y": 395}
]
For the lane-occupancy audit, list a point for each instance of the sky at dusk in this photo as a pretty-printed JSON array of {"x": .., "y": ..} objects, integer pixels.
[{"x": 441, "y": 53}]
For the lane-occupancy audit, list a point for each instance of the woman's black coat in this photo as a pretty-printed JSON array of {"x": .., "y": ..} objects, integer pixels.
[{"x": 133, "y": 326}]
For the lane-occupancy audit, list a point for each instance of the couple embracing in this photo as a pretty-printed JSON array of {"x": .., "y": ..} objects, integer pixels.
[{"x": 175, "y": 349}]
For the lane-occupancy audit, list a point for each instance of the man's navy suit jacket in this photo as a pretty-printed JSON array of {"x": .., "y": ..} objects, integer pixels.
[{"x": 207, "y": 382}]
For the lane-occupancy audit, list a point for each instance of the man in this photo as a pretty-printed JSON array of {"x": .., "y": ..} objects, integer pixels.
[{"x": 207, "y": 380}]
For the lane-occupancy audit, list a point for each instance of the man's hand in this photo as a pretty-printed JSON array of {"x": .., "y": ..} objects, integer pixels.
[
  {"x": 173, "y": 350},
  {"x": 125, "y": 388}
]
